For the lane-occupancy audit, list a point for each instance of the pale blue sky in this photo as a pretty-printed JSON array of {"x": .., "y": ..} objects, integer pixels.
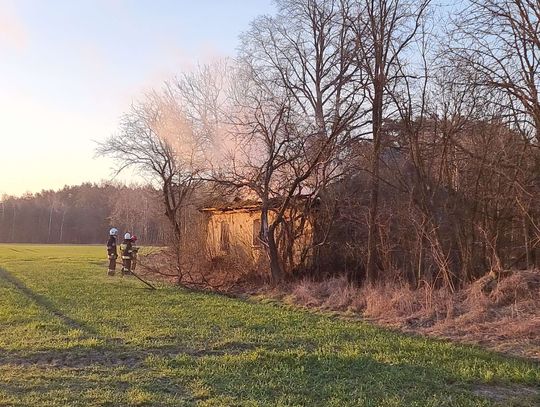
[{"x": 68, "y": 69}]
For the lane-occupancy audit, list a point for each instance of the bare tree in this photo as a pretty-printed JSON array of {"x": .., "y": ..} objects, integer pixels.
[
  {"x": 156, "y": 139},
  {"x": 499, "y": 40},
  {"x": 298, "y": 102},
  {"x": 203, "y": 96},
  {"x": 265, "y": 148},
  {"x": 385, "y": 30},
  {"x": 495, "y": 45}
]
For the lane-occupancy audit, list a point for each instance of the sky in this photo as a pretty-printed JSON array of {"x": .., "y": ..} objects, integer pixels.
[{"x": 70, "y": 68}]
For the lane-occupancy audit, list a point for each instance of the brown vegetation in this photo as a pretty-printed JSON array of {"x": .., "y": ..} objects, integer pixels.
[{"x": 501, "y": 313}]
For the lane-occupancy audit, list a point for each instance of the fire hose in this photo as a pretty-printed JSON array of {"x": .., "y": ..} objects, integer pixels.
[{"x": 150, "y": 286}]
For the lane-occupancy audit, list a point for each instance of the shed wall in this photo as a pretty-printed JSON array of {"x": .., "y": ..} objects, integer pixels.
[{"x": 242, "y": 245}]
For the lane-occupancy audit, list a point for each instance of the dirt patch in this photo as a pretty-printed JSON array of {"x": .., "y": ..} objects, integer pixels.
[
  {"x": 506, "y": 394},
  {"x": 122, "y": 356},
  {"x": 72, "y": 359}
]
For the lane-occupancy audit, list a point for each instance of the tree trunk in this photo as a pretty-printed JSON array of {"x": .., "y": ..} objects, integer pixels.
[
  {"x": 269, "y": 240},
  {"x": 13, "y": 225},
  {"x": 171, "y": 213},
  {"x": 62, "y": 225},
  {"x": 50, "y": 222},
  {"x": 373, "y": 231},
  {"x": 275, "y": 266}
]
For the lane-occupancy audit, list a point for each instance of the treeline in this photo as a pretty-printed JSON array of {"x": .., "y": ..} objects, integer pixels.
[{"x": 82, "y": 214}]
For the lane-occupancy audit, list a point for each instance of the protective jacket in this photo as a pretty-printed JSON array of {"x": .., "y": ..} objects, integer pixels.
[
  {"x": 127, "y": 249},
  {"x": 112, "y": 254},
  {"x": 111, "y": 247}
]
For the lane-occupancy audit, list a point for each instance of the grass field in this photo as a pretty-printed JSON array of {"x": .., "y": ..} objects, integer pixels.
[{"x": 71, "y": 336}]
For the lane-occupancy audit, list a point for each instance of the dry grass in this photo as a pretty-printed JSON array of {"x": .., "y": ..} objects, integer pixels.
[
  {"x": 331, "y": 294},
  {"x": 221, "y": 274},
  {"x": 500, "y": 313}
]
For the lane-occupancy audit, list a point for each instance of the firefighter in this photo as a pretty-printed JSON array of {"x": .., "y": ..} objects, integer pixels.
[
  {"x": 135, "y": 253},
  {"x": 112, "y": 252},
  {"x": 127, "y": 254}
]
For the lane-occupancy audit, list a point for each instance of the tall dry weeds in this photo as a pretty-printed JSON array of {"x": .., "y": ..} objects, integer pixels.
[{"x": 502, "y": 313}]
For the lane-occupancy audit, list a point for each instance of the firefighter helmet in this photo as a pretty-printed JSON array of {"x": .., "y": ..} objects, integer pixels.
[
  {"x": 127, "y": 236},
  {"x": 113, "y": 232}
]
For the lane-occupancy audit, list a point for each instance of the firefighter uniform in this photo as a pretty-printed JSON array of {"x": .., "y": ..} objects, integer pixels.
[
  {"x": 134, "y": 257},
  {"x": 127, "y": 256},
  {"x": 112, "y": 254}
]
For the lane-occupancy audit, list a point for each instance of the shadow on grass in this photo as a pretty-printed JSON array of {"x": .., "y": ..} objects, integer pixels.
[
  {"x": 255, "y": 377},
  {"x": 112, "y": 354},
  {"x": 46, "y": 304}
]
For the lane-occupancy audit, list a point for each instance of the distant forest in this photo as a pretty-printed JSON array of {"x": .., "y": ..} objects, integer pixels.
[{"x": 82, "y": 214}]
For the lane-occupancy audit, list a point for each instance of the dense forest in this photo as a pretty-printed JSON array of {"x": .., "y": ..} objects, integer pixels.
[{"x": 81, "y": 214}]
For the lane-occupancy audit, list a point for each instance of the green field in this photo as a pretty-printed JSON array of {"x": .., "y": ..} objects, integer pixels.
[{"x": 71, "y": 336}]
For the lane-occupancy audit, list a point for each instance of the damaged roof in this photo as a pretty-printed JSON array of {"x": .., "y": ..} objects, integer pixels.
[{"x": 238, "y": 204}]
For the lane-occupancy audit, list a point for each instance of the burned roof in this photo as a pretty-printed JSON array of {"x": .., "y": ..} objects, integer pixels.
[{"x": 247, "y": 205}]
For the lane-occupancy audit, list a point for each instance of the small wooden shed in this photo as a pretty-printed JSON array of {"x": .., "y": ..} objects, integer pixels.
[{"x": 233, "y": 231}]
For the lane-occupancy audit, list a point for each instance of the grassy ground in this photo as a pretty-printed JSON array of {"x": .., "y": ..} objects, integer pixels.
[{"x": 71, "y": 336}]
